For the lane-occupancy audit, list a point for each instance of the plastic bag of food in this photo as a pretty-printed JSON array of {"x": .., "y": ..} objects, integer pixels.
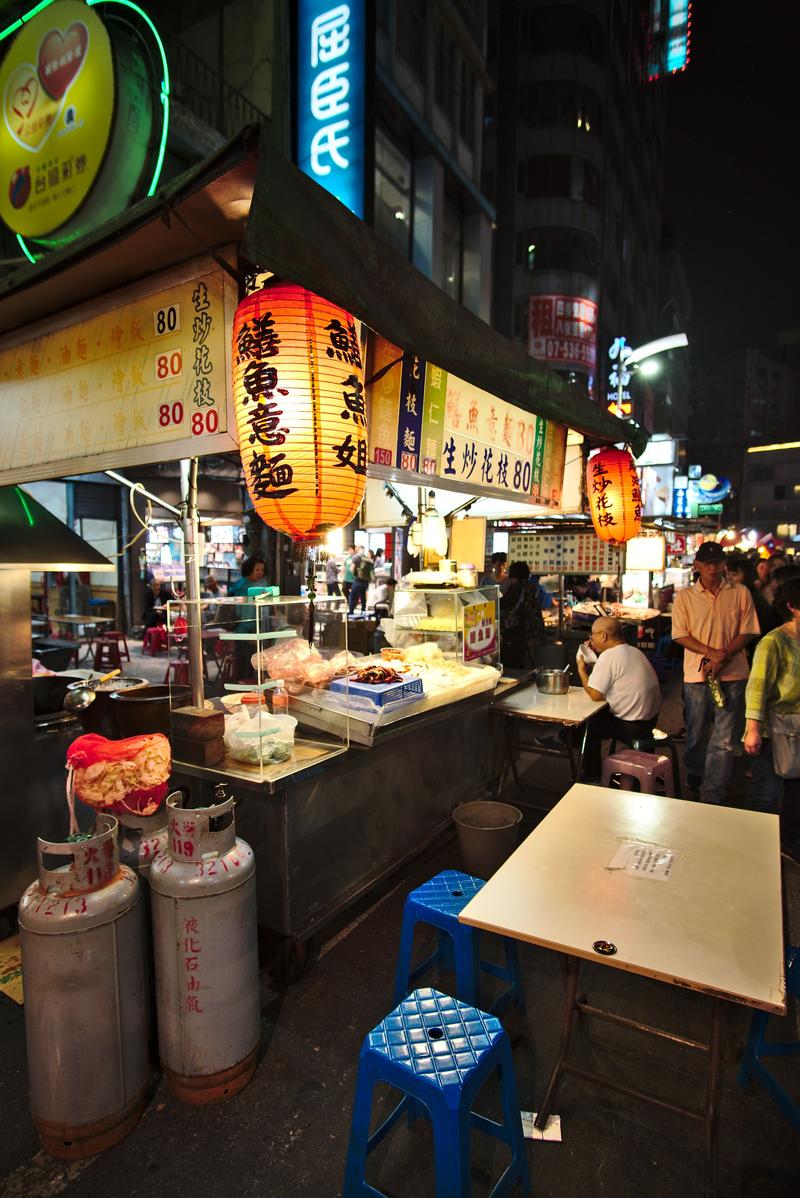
[
  {"x": 259, "y": 740},
  {"x": 119, "y": 777}
]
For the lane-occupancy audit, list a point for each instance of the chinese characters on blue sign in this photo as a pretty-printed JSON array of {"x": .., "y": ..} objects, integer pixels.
[{"x": 330, "y": 97}]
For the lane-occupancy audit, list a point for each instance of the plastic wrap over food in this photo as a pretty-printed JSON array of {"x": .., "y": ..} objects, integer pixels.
[
  {"x": 300, "y": 664},
  {"x": 261, "y": 740},
  {"x": 120, "y": 777}
]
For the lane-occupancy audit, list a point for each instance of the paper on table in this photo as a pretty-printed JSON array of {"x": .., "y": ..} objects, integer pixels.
[
  {"x": 643, "y": 860},
  {"x": 552, "y": 1130}
]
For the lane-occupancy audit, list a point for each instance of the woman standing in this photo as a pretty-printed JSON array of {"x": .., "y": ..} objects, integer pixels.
[{"x": 772, "y": 703}]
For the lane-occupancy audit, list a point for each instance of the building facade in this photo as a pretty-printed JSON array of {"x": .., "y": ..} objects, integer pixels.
[
  {"x": 574, "y": 148},
  {"x": 770, "y": 490}
]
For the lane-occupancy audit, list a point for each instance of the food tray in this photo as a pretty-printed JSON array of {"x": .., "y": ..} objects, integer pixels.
[{"x": 382, "y": 693}]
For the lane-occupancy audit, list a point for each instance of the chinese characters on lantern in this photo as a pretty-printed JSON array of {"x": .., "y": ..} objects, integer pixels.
[
  {"x": 258, "y": 345},
  {"x": 614, "y": 494}
]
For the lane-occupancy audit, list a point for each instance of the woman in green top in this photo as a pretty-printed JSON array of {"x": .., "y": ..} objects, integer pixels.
[{"x": 774, "y": 685}]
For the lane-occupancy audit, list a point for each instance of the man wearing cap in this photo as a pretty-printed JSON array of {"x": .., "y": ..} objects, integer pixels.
[{"x": 713, "y": 620}]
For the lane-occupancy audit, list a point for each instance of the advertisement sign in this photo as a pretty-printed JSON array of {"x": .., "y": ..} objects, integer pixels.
[
  {"x": 562, "y": 331},
  {"x": 564, "y": 553},
  {"x": 428, "y": 422},
  {"x": 148, "y": 367},
  {"x": 58, "y": 94},
  {"x": 330, "y": 97},
  {"x": 480, "y": 630},
  {"x": 656, "y": 490}
]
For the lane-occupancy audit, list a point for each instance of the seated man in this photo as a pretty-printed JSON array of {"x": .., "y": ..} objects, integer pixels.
[{"x": 625, "y": 679}]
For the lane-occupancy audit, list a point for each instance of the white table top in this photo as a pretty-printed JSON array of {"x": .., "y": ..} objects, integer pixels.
[
  {"x": 715, "y": 925},
  {"x": 528, "y": 703}
]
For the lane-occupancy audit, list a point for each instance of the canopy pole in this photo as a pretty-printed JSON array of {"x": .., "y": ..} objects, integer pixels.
[{"x": 191, "y": 550}]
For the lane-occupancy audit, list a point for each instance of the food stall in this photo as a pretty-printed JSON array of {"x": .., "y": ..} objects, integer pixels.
[{"x": 357, "y": 796}]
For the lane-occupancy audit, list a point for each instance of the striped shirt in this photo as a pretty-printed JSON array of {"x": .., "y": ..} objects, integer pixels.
[{"x": 774, "y": 682}]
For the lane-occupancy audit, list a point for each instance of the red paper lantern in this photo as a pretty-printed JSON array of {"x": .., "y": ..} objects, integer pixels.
[
  {"x": 301, "y": 420},
  {"x": 615, "y": 495}
]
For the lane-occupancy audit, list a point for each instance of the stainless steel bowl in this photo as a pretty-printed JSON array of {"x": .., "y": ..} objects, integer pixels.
[{"x": 553, "y": 682}]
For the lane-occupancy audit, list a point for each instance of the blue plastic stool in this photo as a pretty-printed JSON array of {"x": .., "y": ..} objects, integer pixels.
[
  {"x": 438, "y": 903},
  {"x": 438, "y": 1052},
  {"x": 758, "y": 1046}
]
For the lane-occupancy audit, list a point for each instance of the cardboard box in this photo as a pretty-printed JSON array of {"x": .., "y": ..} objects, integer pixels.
[{"x": 381, "y": 694}]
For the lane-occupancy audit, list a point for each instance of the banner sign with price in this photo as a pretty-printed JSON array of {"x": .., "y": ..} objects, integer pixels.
[
  {"x": 139, "y": 376},
  {"x": 427, "y": 422}
]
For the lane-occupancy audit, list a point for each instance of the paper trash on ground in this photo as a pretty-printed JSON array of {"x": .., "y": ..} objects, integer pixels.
[
  {"x": 644, "y": 860},
  {"x": 551, "y": 1132}
]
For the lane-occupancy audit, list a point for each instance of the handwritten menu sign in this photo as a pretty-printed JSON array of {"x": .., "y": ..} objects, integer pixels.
[
  {"x": 146, "y": 368},
  {"x": 564, "y": 553},
  {"x": 426, "y": 421}
]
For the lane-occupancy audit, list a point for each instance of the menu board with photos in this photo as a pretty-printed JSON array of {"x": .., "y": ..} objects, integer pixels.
[{"x": 564, "y": 553}]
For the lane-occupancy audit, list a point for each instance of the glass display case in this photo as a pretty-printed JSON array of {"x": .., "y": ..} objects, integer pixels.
[
  {"x": 260, "y": 654},
  {"x": 461, "y": 623}
]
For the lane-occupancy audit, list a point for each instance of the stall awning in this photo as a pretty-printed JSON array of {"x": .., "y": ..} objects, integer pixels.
[{"x": 250, "y": 195}]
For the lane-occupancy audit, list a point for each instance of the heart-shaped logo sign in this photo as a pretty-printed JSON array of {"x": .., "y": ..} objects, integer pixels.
[
  {"x": 61, "y": 57},
  {"x": 28, "y": 111}
]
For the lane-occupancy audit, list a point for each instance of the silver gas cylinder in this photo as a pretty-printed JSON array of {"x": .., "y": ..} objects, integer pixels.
[
  {"x": 141, "y": 839},
  {"x": 82, "y": 937},
  {"x": 203, "y": 896}
]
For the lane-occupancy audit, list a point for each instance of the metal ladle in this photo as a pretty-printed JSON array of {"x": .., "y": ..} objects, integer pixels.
[{"x": 81, "y": 696}]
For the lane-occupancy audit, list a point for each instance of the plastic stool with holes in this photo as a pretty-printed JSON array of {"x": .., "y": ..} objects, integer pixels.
[
  {"x": 154, "y": 640},
  {"x": 645, "y": 768},
  {"x": 438, "y": 1052},
  {"x": 758, "y": 1046},
  {"x": 119, "y": 637},
  {"x": 438, "y": 903},
  {"x": 106, "y": 653}
]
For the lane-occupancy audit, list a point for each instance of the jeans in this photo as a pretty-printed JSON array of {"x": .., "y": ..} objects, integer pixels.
[
  {"x": 779, "y": 796},
  {"x": 711, "y": 758},
  {"x": 358, "y": 594}
]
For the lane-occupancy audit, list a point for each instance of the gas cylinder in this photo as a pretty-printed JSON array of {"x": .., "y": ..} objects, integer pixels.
[
  {"x": 82, "y": 937},
  {"x": 141, "y": 839},
  {"x": 203, "y": 896}
]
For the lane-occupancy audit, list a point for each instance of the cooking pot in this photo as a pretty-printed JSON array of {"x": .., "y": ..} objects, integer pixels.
[
  {"x": 99, "y": 716},
  {"x": 138, "y": 712},
  {"x": 553, "y": 682},
  {"x": 49, "y": 691}
]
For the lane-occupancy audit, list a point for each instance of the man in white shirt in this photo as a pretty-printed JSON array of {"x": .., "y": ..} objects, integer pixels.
[{"x": 625, "y": 679}]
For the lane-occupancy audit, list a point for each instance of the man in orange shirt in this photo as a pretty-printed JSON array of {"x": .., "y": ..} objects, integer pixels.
[{"x": 713, "y": 620}]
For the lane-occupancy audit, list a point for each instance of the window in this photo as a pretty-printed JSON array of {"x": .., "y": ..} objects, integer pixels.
[
  {"x": 559, "y": 175},
  {"x": 558, "y": 249},
  {"x": 780, "y": 491},
  {"x": 392, "y": 194},
  {"x": 383, "y": 16},
  {"x": 466, "y": 107},
  {"x": 451, "y": 251},
  {"x": 444, "y": 71},
  {"x": 411, "y": 34},
  {"x": 561, "y": 102}
]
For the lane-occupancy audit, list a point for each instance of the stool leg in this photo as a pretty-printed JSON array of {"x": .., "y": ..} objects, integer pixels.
[
  {"x": 518, "y": 1169},
  {"x": 451, "y": 1152},
  {"x": 467, "y": 965},
  {"x": 403, "y": 971},
  {"x": 354, "y": 1183}
]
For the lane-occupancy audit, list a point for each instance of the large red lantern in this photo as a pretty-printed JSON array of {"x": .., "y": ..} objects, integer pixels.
[
  {"x": 301, "y": 420},
  {"x": 615, "y": 495}
]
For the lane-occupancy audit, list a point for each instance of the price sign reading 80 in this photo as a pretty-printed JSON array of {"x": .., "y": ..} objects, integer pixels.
[
  {"x": 167, "y": 320},
  {"x": 168, "y": 366}
]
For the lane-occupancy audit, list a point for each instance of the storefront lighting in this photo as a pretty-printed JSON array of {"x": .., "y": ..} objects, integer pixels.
[
  {"x": 771, "y": 448},
  {"x": 399, "y": 214}
]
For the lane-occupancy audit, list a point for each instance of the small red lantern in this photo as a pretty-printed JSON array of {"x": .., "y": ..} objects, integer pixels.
[
  {"x": 301, "y": 418},
  {"x": 615, "y": 495}
]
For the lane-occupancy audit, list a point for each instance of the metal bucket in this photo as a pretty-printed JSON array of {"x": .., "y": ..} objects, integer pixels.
[
  {"x": 487, "y": 834},
  {"x": 553, "y": 682}
]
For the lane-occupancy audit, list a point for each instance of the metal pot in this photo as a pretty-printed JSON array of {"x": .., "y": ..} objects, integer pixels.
[{"x": 553, "y": 682}]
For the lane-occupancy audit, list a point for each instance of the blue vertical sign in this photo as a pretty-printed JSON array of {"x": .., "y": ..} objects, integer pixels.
[
  {"x": 330, "y": 97},
  {"x": 409, "y": 426}
]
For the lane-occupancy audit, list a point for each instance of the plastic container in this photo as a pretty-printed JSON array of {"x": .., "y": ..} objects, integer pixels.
[
  {"x": 487, "y": 834},
  {"x": 280, "y": 699},
  {"x": 259, "y": 739}
]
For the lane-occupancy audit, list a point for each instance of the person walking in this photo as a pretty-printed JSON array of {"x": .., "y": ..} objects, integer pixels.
[
  {"x": 363, "y": 572},
  {"x": 332, "y": 576},
  {"x": 521, "y": 620},
  {"x": 772, "y": 710},
  {"x": 347, "y": 572},
  {"x": 626, "y": 680},
  {"x": 713, "y": 620}
]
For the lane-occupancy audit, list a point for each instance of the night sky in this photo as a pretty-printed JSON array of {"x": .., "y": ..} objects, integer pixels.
[{"x": 732, "y": 155}]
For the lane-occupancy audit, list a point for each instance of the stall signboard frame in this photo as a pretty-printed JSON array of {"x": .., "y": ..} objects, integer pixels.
[
  {"x": 428, "y": 427},
  {"x": 138, "y": 376},
  {"x": 564, "y": 553}
]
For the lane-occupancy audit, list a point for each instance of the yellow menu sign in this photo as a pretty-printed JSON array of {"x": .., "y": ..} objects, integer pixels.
[
  {"x": 57, "y": 88},
  {"x": 148, "y": 371}
]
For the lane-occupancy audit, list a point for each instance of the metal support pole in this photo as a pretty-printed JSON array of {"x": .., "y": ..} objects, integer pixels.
[
  {"x": 192, "y": 551},
  {"x": 560, "y": 608}
]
